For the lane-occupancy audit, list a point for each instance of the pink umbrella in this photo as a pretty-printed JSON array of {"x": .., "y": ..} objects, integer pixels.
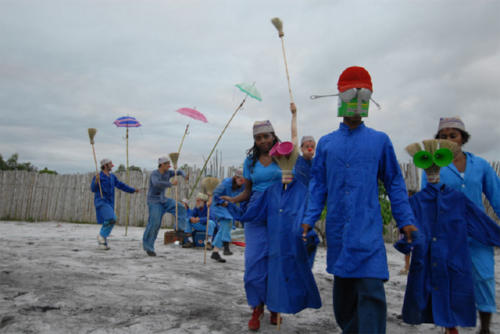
[{"x": 193, "y": 113}]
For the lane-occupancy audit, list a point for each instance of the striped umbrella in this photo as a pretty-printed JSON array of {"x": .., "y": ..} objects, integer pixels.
[{"x": 127, "y": 122}]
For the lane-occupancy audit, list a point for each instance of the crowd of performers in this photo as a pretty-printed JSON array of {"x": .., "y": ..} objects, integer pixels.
[{"x": 281, "y": 204}]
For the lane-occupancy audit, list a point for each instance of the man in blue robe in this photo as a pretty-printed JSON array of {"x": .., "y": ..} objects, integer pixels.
[
  {"x": 105, "y": 205},
  {"x": 345, "y": 173}
]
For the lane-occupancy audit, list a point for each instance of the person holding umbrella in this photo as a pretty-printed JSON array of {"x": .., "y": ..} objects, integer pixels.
[
  {"x": 105, "y": 203},
  {"x": 158, "y": 204}
]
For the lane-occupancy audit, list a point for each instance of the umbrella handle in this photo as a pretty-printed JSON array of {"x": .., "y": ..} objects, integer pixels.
[{"x": 213, "y": 148}]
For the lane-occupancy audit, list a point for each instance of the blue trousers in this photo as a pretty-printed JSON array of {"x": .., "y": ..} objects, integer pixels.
[
  {"x": 224, "y": 233},
  {"x": 106, "y": 228},
  {"x": 359, "y": 305},
  {"x": 201, "y": 227},
  {"x": 156, "y": 212}
]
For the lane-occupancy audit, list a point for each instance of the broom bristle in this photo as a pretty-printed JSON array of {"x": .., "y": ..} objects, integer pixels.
[
  {"x": 430, "y": 145},
  {"x": 174, "y": 156},
  {"x": 288, "y": 162},
  {"x": 454, "y": 148},
  {"x": 209, "y": 184},
  {"x": 92, "y": 133},
  {"x": 278, "y": 24},
  {"x": 412, "y": 149}
]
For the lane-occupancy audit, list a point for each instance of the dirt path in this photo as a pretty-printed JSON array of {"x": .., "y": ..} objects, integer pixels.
[{"x": 54, "y": 280}]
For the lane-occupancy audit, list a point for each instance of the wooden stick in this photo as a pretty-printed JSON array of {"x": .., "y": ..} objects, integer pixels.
[
  {"x": 175, "y": 176},
  {"x": 286, "y": 69},
  {"x": 213, "y": 149},
  {"x": 97, "y": 171},
  {"x": 128, "y": 183},
  {"x": 279, "y": 321},
  {"x": 206, "y": 235}
]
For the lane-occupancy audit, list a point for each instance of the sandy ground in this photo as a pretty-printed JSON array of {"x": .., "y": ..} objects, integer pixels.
[{"x": 53, "y": 279}]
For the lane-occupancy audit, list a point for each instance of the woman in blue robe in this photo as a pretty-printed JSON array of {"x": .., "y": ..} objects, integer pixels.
[{"x": 260, "y": 172}]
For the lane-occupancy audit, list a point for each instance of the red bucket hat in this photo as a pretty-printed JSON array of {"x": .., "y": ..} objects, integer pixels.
[{"x": 354, "y": 77}]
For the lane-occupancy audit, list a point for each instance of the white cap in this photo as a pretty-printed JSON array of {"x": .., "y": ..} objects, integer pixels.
[
  {"x": 105, "y": 161},
  {"x": 163, "y": 159},
  {"x": 202, "y": 196}
]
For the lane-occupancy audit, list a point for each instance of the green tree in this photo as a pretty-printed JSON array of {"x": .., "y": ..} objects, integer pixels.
[{"x": 47, "y": 171}]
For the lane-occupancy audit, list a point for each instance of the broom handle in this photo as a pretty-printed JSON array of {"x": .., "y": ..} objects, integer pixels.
[
  {"x": 286, "y": 69},
  {"x": 97, "y": 171},
  {"x": 206, "y": 236},
  {"x": 182, "y": 140},
  {"x": 213, "y": 149},
  {"x": 176, "y": 203}
]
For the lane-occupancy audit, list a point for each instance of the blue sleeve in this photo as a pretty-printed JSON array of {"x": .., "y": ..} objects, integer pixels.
[
  {"x": 480, "y": 226},
  {"x": 390, "y": 174},
  {"x": 247, "y": 169},
  {"x": 318, "y": 188},
  {"x": 220, "y": 190},
  {"x": 94, "y": 186},
  {"x": 257, "y": 208},
  {"x": 181, "y": 173},
  {"x": 122, "y": 186},
  {"x": 491, "y": 187},
  {"x": 157, "y": 182}
]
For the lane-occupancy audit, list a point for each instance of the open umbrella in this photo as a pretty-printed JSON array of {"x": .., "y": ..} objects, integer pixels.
[
  {"x": 194, "y": 114},
  {"x": 249, "y": 90},
  {"x": 127, "y": 122}
]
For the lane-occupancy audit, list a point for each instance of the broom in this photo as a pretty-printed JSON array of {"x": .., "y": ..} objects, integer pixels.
[
  {"x": 174, "y": 157},
  {"x": 208, "y": 185},
  {"x": 92, "y": 133},
  {"x": 278, "y": 24}
]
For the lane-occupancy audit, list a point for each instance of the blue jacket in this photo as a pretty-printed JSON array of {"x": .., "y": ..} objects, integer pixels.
[
  {"x": 440, "y": 286},
  {"x": 479, "y": 178},
  {"x": 158, "y": 183},
  {"x": 225, "y": 188},
  {"x": 302, "y": 170},
  {"x": 345, "y": 172},
  {"x": 201, "y": 213},
  {"x": 290, "y": 283},
  {"x": 105, "y": 206}
]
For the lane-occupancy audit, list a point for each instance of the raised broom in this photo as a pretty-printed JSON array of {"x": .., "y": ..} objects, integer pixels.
[
  {"x": 208, "y": 186},
  {"x": 278, "y": 24},
  {"x": 92, "y": 133}
]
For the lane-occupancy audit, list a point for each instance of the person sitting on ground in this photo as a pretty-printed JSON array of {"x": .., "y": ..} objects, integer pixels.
[{"x": 198, "y": 221}]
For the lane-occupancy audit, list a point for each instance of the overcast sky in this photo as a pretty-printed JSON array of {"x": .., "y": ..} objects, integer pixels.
[{"x": 66, "y": 66}]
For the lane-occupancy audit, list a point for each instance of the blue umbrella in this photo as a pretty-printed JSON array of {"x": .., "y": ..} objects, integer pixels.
[{"x": 127, "y": 122}]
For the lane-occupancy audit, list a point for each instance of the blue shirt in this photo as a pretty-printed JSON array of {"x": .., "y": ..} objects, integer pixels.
[
  {"x": 225, "y": 188},
  {"x": 441, "y": 269},
  {"x": 158, "y": 183},
  {"x": 105, "y": 205},
  {"x": 200, "y": 213},
  {"x": 344, "y": 176},
  {"x": 261, "y": 176},
  {"x": 479, "y": 178}
]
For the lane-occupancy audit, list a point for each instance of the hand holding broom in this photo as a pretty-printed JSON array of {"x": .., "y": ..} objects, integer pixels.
[{"x": 92, "y": 133}]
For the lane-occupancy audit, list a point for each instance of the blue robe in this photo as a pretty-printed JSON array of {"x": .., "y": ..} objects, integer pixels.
[
  {"x": 225, "y": 188},
  {"x": 440, "y": 287},
  {"x": 290, "y": 283},
  {"x": 105, "y": 206},
  {"x": 345, "y": 175}
]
